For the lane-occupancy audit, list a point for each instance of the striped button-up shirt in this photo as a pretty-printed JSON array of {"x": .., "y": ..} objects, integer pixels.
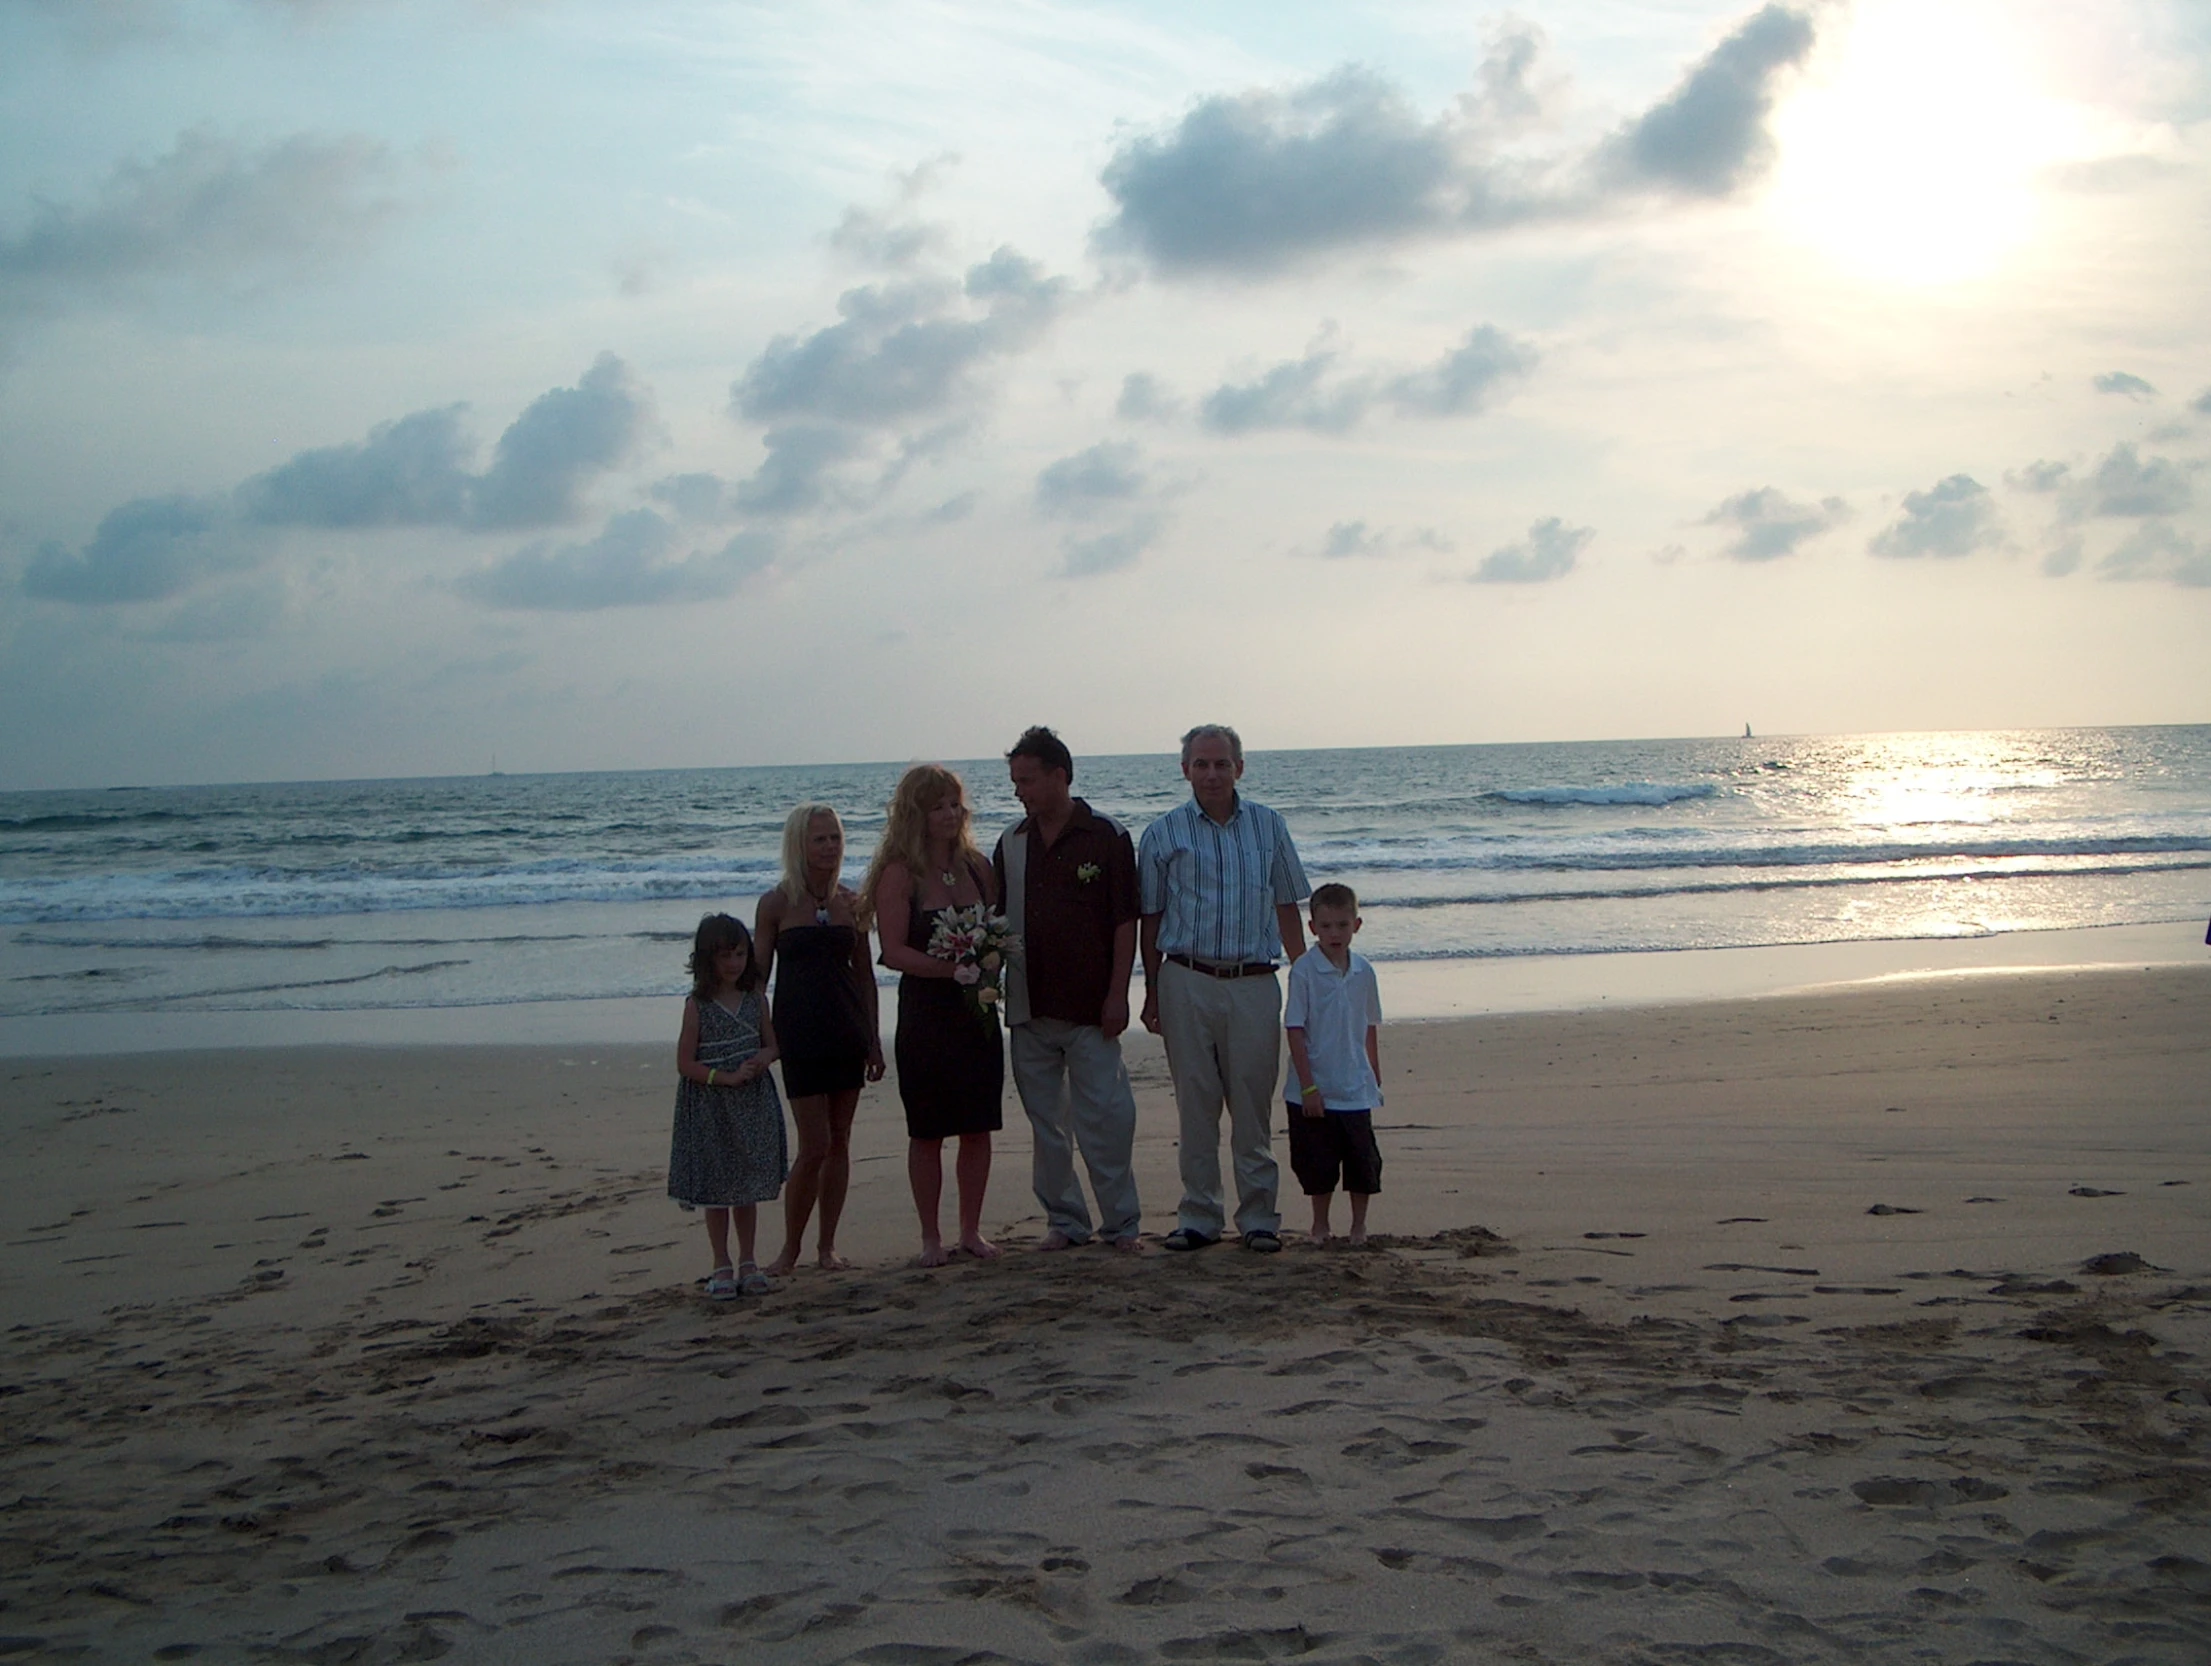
[{"x": 1215, "y": 886}]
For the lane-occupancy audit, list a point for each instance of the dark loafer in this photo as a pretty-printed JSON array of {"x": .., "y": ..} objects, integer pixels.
[
  {"x": 1183, "y": 1239},
  {"x": 1265, "y": 1243}
]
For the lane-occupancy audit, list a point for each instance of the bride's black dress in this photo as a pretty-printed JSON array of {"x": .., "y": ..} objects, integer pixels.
[{"x": 951, "y": 1067}]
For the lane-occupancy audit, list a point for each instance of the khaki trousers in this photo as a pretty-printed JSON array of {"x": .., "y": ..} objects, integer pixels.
[
  {"x": 1224, "y": 1047},
  {"x": 1076, "y": 1091}
]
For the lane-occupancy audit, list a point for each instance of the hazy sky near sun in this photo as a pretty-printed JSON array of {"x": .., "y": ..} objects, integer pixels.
[{"x": 386, "y": 385}]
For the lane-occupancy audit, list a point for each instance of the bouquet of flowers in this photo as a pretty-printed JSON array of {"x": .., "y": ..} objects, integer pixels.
[{"x": 978, "y": 943}]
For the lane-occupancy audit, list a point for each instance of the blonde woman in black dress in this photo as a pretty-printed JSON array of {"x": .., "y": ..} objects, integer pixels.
[
  {"x": 951, "y": 1066},
  {"x": 809, "y": 937}
]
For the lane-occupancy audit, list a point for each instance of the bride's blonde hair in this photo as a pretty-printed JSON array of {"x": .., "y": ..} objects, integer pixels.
[{"x": 906, "y": 834}]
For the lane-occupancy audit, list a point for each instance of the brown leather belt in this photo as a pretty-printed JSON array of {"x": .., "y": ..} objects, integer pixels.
[{"x": 1250, "y": 969}]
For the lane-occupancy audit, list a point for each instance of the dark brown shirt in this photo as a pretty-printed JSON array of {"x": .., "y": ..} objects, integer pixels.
[{"x": 1080, "y": 891}]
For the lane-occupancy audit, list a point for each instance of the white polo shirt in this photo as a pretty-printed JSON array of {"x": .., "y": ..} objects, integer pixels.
[{"x": 1335, "y": 1010}]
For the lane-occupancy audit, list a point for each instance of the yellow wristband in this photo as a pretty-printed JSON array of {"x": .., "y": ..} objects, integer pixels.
[
  {"x": 710, "y": 1078},
  {"x": 1307, "y": 1090}
]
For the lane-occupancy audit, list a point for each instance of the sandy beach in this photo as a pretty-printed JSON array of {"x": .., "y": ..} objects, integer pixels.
[{"x": 1864, "y": 1325}]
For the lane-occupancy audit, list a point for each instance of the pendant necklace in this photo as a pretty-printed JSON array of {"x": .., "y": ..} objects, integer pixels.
[{"x": 821, "y": 904}]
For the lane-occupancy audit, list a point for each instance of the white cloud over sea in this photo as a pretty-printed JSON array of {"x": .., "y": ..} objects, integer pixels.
[{"x": 383, "y": 388}]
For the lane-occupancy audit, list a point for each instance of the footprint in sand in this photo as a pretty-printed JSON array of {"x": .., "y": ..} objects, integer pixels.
[
  {"x": 1892, "y": 1209},
  {"x": 2092, "y": 1191}
]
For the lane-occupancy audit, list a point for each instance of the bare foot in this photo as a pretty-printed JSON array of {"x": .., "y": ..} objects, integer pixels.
[
  {"x": 782, "y": 1265},
  {"x": 1317, "y": 1236},
  {"x": 1358, "y": 1236},
  {"x": 829, "y": 1261},
  {"x": 1131, "y": 1245},
  {"x": 1054, "y": 1240},
  {"x": 933, "y": 1253},
  {"x": 980, "y": 1247}
]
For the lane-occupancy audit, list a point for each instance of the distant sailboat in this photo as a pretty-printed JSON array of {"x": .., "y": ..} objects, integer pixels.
[{"x": 1746, "y": 731}]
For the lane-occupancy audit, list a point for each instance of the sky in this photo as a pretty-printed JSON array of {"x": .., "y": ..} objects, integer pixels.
[{"x": 408, "y": 387}]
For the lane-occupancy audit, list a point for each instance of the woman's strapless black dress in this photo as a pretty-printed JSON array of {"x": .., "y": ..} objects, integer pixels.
[
  {"x": 821, "y": 1019},
  {"x": 951, "y": 1066}
]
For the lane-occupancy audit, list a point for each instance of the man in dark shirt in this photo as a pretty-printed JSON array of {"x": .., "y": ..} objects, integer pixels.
[{"x": 1068, "y": 877}]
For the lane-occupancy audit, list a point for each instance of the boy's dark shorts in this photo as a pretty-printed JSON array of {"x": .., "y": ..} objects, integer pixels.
[{"x": 1335, "y": 1144}]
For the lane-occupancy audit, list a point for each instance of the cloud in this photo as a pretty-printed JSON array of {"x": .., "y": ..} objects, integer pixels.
[
  {"x": 1347, "y": 540},
  {"x": 2062, "y": 557},
  {"x": 631, "y": 563},
  {"x": 903, "y": 350},
  {"x": 1256, "y": 183},
  {"x": 2127, "y": 486},
  {"x": 1709, "y": 135},
  {"x": 2040, "y": 476},
  {"x": 236, "y": 612},
  {"x": 1108, "y": 552},
  {"x": 894, "y": 238},
  {"x": 146, "y": 550},
  {"x": 1953, "y": 517},
  {"x": 1287, "y": 396},
  {"x": 207, "y": 206},
  {"x": 2159, "y": 550},
  {"x": 1768, "y": 524},
  {"x": 1107, "y": 482},
  {"x": 1145, "y": 398},
  {"x": 1549, "y": 552},
  {"x": 1461, "y": 381},
  {"x": 2201, "y": 404},
  {"x": 796, "y": 475},
  {"x": 1105, "y": 476},
  {"x": 1292, "y": 394},
  {"x": 692, "y": 497},
  {"x": 2121, "y": 382},
  {"x": 561, "y": 442},
  {"x": 413, "y": 472}
]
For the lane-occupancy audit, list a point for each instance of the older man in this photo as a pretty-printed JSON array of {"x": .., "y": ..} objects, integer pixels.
[
  {"x": 1220, "y": 882},
  {"x": 1068, "y": 877}
]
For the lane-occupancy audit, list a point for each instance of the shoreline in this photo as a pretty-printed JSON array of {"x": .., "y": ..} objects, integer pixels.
[{"x": 1412, "y": 991}]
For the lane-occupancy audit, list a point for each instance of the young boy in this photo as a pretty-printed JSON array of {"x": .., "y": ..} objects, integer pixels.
[{"x": 1334, "y": 1016}]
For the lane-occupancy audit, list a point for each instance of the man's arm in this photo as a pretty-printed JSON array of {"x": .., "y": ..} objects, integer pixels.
[
  {"x": 1292, "y": 926},
  {"x": 1149, "y": 934},
  {"x": 1114, "y": 1018}
]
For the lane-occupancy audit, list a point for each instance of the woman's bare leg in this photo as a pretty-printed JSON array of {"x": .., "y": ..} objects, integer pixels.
[
  {"x": 925, "y": 1174},
  {"x": 805, "y": 1184},
  {"x": 835, "y": 1176},
  {"x": 974, "y": 1173},
  {"x": 717, "y": 1236}
]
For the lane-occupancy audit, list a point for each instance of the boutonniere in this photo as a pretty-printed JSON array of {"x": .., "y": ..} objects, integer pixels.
[{"x": 1088, "y": 872}]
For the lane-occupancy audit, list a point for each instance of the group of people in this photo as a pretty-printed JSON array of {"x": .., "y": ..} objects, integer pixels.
[{"x": 1210, "y": 898}]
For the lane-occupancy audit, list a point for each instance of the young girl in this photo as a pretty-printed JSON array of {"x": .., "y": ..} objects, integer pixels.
[{"x": 728, "y": 1154}]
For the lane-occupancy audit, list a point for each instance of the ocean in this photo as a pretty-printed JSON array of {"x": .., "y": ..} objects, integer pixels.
[{"x": 482, "y": 892}]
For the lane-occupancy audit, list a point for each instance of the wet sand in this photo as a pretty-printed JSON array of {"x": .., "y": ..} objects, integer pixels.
[{"x": 1866, "y": 1325}]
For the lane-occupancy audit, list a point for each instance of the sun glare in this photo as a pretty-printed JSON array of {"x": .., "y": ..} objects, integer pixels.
[{"x": 1910, "y": 152}]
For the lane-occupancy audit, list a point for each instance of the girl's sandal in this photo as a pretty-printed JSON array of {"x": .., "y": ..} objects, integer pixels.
[
  {"x": 753, "y": 1282},
  {"x": 721, "y": 1285}
]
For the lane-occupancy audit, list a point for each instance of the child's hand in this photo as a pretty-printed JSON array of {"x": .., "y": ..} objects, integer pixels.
[{"x": 1315, "y": 1106}]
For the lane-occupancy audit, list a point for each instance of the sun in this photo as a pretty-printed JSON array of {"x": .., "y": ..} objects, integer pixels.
[{"x": 1910, "y": 154}]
